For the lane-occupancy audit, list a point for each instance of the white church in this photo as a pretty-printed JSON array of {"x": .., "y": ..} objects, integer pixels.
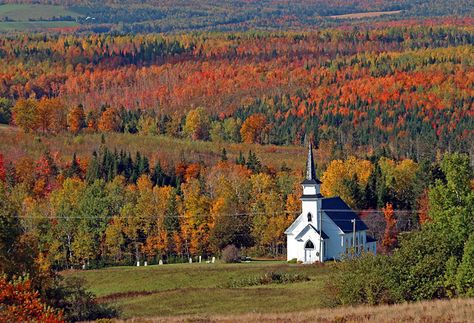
[{"x": 327, "y": 228}]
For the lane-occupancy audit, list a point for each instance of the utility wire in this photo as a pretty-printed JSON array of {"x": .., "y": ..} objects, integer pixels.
[{"x": 227, "y": 214}]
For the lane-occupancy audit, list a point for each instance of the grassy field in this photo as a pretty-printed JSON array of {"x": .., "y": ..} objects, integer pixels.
[
  {"x": 14, "y": 143},
  {"x": 202, "y": 289},
  {"x": 458, "y": 310},
  {"x": 35, "y": 25},
  {"x": 19, "y": 16},
  {"x": 23, "y": 12},
  {"x": 200, "y": 293}
]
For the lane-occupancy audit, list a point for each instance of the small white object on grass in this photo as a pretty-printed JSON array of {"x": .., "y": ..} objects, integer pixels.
[
  {"x": 145, "y": 263},
  {"x": 213, "y": 259},
  {"x": 190, "y": 260},
  {"x": 138, "y": 264},
  {"x": 160, "y": 262}
]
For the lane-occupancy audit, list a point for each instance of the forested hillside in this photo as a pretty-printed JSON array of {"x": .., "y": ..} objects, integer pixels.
[
  {"x": 172, "y": 16},
  {"x": 408, "y": 90}
]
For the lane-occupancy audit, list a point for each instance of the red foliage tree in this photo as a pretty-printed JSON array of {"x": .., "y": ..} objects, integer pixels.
[
  {"x": 20, "y": 303},
  {"x": 3, "y": 172}
]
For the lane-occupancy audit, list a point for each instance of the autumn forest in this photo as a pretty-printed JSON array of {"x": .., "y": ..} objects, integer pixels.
[{"x": 123, "y": 147}]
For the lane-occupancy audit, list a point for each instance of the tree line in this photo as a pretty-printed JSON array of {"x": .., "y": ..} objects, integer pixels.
[{"x": 114, "y": 207}]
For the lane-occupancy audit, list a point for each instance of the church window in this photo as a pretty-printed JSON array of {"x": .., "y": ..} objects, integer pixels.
[
  {"x": 310, "y": 217},
  {"x": 309, "y": 245}
]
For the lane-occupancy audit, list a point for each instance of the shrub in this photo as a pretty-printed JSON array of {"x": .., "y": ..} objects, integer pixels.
[
  {"x": 77, "y": 304},
  {"x": 293, "y": 261},
  {"x": 465, "y": 273},
  {"x": 268, "y": 278},
  {"x": 366, "y": 279},
  {"x": 231, "y": 254}
]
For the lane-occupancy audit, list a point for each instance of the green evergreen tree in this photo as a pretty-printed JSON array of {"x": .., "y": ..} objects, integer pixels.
[
  {"x": 253, "y": 163},
  {"x": 224, "y": 155}
]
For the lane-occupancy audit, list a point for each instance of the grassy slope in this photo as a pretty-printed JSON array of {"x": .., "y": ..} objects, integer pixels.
[
  {"x": 21, "y": 13},
  {"x": 458, "y": 310},
  {"x": 200, "y": 289},
  {"x": 14, "y": 143}
]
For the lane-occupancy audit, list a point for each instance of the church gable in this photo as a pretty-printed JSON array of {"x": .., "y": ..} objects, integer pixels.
[
  {"x": 294, "y": 225},
  {"x": 308, "y": 228}
]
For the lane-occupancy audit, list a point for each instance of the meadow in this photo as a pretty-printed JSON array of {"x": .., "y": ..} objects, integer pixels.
[
  {"x": 203, "y": 289},
  {"x": 30, "y": 17},
  {"x": 197, "y": 292},
  {"x": 16, "y": 143},
  {"x": 459, "y": 310}
]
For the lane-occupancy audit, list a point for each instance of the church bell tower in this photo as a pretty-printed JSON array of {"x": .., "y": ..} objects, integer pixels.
[{"x": 311, "y": 198}]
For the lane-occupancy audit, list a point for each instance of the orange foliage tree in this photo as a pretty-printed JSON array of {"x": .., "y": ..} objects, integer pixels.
[
  {"x": 253, "y": 128},
  {"x": 109, "y": 120},
  {"x": 389, "y": 240},
  {"x": 76, "y": 119},
  {"x": 51, "y": 114}
]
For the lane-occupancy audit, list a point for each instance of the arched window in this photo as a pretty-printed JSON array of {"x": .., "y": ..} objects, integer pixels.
[
  {"x": 309, "y": 245},
  {"x": 310, "y": 217}
]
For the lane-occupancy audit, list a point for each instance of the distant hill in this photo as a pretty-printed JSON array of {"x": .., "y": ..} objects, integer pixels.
[{"x": 174, "y": 15}]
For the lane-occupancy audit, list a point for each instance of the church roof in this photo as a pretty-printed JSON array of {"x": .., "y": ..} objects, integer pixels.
[
  {"x": 310, "y": 169},
  {"x": 370, "y": 239},
  {"x": 342, "y": 214},
  {"x": 310, "y": 227},
  {"x": 293, "y": 225}
]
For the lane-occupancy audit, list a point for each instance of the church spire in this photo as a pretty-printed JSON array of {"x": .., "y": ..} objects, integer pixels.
[{"x": 310, "y": 168}]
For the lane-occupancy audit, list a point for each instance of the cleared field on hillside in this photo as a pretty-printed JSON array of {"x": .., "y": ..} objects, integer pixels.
[
  {"x": 360, "y": 15},
  {"x": 23, "y": 12},
  {"x": 35, "y": 25},
  {"x": 15, "y": 144},
  {"x": 202, "y": 289},
  {"x": 26, "y": 17}
]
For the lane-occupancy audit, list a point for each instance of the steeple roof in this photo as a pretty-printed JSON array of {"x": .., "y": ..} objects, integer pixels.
[{"x": 310, "y": 168}]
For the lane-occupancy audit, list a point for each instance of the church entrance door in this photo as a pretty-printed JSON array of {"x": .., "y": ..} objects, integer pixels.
[{"x": 309, "y": 252}]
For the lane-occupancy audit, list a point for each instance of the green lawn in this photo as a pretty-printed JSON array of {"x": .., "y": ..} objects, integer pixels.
[{"x": 186, "y": 289}]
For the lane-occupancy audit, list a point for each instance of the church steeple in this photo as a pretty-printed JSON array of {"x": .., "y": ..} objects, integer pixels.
[{"x": 310, "y": 168}]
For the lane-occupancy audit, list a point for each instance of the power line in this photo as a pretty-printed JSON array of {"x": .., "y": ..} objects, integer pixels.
[{"x": 224, "y": 214}]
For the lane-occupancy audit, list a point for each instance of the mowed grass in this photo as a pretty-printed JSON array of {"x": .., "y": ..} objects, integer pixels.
[
  {"x": 202, "y": 289},
  {"x": 15, "y": 144}
]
